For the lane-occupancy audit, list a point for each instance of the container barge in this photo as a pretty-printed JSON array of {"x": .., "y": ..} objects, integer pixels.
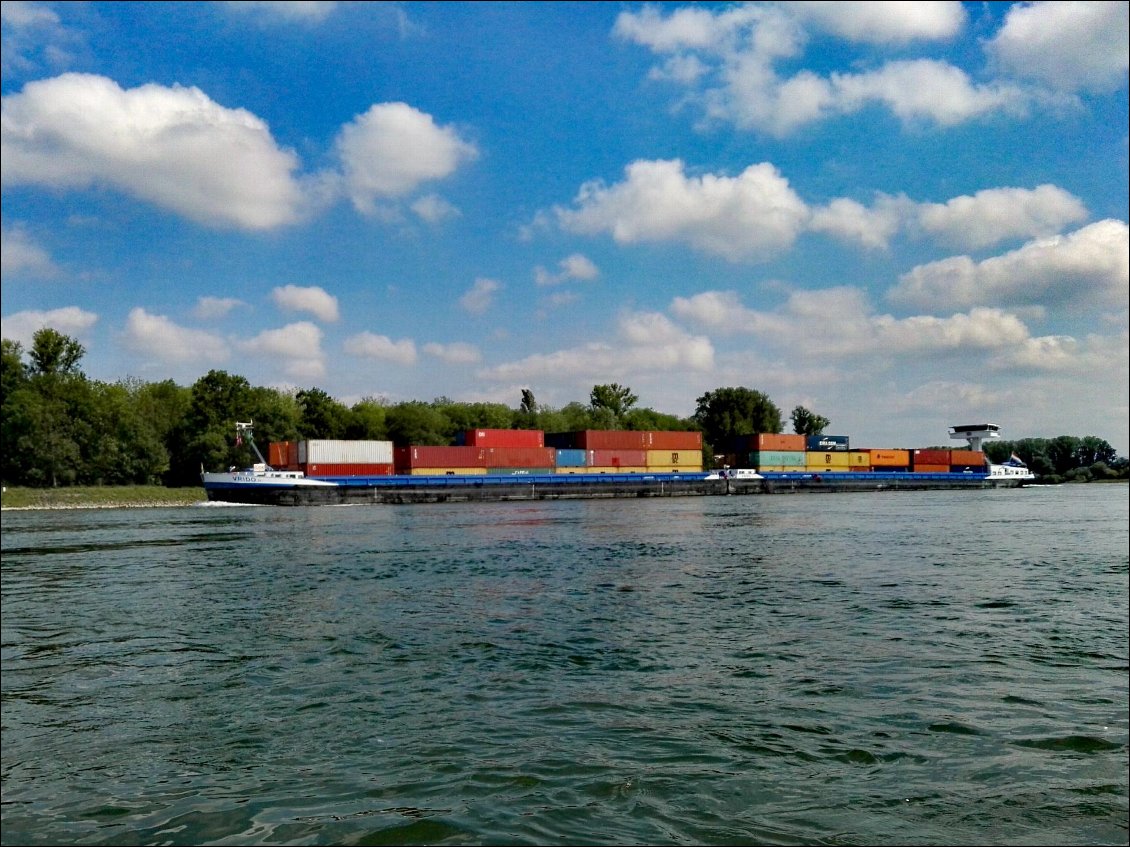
[{"x": 592, "y": 464}]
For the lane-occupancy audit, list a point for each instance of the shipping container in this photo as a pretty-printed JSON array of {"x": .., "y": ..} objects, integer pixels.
[
  {"x": 344, "y": 452},
  {"x": 967, "y": 457},
  {"x": 519, "y": 471},
  {"x": 616, "y": 458},
  {"x": 676, "y": 458},
  {"x": 931, "y": 457},
  {"x": 446, "y": 472},
  {"x": 570, "y": 458},
  {"x": 882, "y": 459},
  {"x": 408, "y": 458},
  {"x": 504, "y": 438},
  {"x": 611, "y": 439},
  {"x": 859, "y": 460},
  {"x": 519, "y": 457},
  {"x": 674, "y": 469},
  {"x": 347, "y": 469},
  {"x": 827, "y": 469},
  {"x": 673, "y": 440},
  {"x": 921, "y": 468},
  {"x": 786, "y": 458},
  {"x": 610, "y": 469},
  {"x": 826, "y": 460},
  {"x": 768, "y": 441},
  {"x": 826, "y": 443}
]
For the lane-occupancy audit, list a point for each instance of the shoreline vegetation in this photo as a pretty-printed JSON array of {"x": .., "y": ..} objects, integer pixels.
[{"x": 99, "y": 497}]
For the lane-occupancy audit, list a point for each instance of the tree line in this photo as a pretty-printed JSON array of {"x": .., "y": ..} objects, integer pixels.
[{"x": 59, "y": 427}]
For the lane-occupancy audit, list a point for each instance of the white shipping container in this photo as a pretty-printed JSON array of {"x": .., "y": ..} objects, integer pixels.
[{"x": 332, "y": 452}]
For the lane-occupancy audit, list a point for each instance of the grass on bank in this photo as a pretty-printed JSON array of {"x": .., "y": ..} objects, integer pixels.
[{"x": 98, "y": 496}]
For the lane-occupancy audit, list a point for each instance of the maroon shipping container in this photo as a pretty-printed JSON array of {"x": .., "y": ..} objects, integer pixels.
[
  {"x": 671, "y": 440},
  {"x": 616, "y": 458},
  {"x": 930, "y": 457},
  {"x": 346, "y": 469},
  {"x": 504, "y": 438},
  {"x": 520, "y": 457},
  {"x": 610, "y": 439},
  {"x": 406, "y": 458}
]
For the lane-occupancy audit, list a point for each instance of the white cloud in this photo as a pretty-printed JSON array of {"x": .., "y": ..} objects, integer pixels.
[
  {"x": 208, "y": 308},
  {"x": 174, "y": 147},
  {"x": 161, "y": 338},
  {"x": 19, "y": 254},
  {"x": 849, "y": 220},
  {"x": 751, "y": 216},
  {"x": 884, "y": 22},
  {"x": 481, "y": 296},
  {"x": 297, "y": 347},
  {"x": 368, "y": 345},
  {"x": 455, "y": 353},
  {"x": 576, "y": 266},
  {"x": 33, "y": 36},
  {"x": 70, "y": 320},
  {"x": 391, "y": 149},
  {"x": 432, "y": 208},
  {"x": 1086, "y": 268},
  {"x": 315, "y": 300},
  {"x": 998, "y": 214},
  {"x": 1068, "y": 45},
  {"x": 298, "y": 11}
]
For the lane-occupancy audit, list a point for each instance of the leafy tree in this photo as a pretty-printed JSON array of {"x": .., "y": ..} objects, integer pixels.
[
  {"x": 321, "y": 415},
  {"x": 367, "y": 420},
  {"x": 417, "y": 423},
  {"x": 610, "y": 402},
  {"x": 728, "y": 412},
  {"x": 55, "y": 353},
  {"x": 649, "y": 419},
  {"x": 808, "y": 423}
]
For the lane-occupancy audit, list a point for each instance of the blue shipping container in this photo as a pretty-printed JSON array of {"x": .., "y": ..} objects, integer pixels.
[
  {"x": 827, "y": 443},
  {"x": 571, "y": 458}
]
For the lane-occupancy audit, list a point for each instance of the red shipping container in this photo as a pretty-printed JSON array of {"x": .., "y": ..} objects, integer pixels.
[
  {"x": 672, "y": 440},
  {"x": 406, "y": 458},
  {"x": 610, "y": 439},
  {"x": 520, "y": 457},
  {"x": 616, "y": 458},
  {"x": 772, "y": 441},
  {"x": 930, "y": 457},
  {"x": 504, "y": 438},
  {"x": 350, "y": 469}
]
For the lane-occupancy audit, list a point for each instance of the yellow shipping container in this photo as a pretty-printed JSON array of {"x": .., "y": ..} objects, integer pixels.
[
  {"x": 674, "y": 458},
  {"x": 823, "y": 469},
  {"x": 826, "y": 460},
  {"x": 859, "y": 460},
  {"x": 448, "y": 472},
  {"x": 674, "y": 468}
]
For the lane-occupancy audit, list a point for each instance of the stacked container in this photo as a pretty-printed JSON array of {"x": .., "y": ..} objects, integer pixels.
[
  {"x": 887, "y": 461},
  {"x": 967, "y": 461},
  {"x": 627, "y": 451},
  {"x": 504, "y": 438},
  {"x": 327, "y": 457},
  {"x": 931, "y": 461}
]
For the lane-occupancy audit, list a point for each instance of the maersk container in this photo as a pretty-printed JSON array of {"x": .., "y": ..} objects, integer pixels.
[
  {"x": 826, "y": 443},
  {"x": 409, "y": 458},
  {"x": 519, "y": 457},
  {"x": 344, "y": 452},
  {"x": 782, "y": 458},
  {"x": 570, "y": 458},
  {"x": 504, "y": 438},
  {"x": 931, "y": 457},
  {"x": 616, "y": 458}
]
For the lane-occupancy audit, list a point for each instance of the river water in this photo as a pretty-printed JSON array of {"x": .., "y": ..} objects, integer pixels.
[{"x": 944, "y": 667}]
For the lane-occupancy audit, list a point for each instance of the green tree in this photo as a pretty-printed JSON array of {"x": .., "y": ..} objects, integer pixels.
[
  {"x": 610, "y": 402},
  {"x": 367, "y": 420},
  {"x": 321, "y": 415},
  {"x": 417, "y": 423},
  {"x": 54, "y": 353},
  {"x": 728, "y": 412},
  {"x": 808, "y": 423}
]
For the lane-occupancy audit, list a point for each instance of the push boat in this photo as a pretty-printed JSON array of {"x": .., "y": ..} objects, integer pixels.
[{"x": 262, "y": 484}]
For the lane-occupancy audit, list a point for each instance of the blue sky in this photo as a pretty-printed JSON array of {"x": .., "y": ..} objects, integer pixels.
[{"x": 902, "y": 216}]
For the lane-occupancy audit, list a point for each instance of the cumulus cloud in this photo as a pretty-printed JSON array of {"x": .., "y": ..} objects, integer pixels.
[
  {"x": 433, "y": 209},
  {"x": 1085, "y": 268},
  {"x": 315, "y": 300},
  {"x": 209, "y": 308},
  {"x": 455, "y": 353},
  {"x": 848, "y": 220},
  {"x": 729, "y": 61},
  {"x": 70, "y": 320},
  {"x": 1069, "y": 46},
  {"x": 391, "y": 149},
  {"x": 751, "y": 216},
  {"x": 19, "y": 254},
  {"x": 576, "y": 266},
  {"x": 481, "y": 296},
  {"x": 297, "y": 347},
  {"x": 368, "y": 345},
  {"x": 164, "y": 340},
  {"x": 998, "y": 214}
]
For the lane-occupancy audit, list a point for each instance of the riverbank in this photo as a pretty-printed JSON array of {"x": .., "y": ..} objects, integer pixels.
[{"x": 99, "y": 497}]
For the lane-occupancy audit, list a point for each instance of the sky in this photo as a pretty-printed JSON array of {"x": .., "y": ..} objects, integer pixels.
[{"x": 901, "y": 216}]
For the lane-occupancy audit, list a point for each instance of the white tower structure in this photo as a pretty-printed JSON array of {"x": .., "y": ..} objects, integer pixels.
[{"x": 975, "y": 434}]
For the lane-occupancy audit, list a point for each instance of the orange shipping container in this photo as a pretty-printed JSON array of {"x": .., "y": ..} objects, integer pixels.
[
  {"x": 920, "y": 468},
  {"x": 890, "y": 458},
  {"x": 609, "y": 439},
  {"x": 772, "y": 441},
  {"x": 664, "y": 440},
  {"x": 967, "y": 457}
]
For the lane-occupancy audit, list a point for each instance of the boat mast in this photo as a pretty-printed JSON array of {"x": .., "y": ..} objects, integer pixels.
[{"x": 242, "y": 427}]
